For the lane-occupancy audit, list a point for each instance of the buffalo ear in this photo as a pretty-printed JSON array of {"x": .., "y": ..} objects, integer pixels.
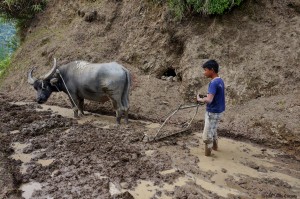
[{"x": 53, "y": 81}]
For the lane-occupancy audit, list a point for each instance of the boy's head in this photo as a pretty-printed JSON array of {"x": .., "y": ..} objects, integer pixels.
[{"x": 211, "y": 65}]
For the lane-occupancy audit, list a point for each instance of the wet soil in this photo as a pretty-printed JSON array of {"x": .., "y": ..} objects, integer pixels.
[{"x": 45, "y": 153}]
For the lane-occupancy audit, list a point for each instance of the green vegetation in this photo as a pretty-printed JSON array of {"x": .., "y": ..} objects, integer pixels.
[
  {"x": 8, "y": 44},
  {"x": 8, "y": 39},
  {"x": 4, "y": 64},
  {"x": 7, "y": 33},
  {"x": 20, "y": 9},
  {"x": 210, "y": 7},
  {"x": 14, "y": 14}
]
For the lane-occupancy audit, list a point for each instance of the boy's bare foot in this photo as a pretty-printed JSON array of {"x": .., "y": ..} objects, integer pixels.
[
  {"x": 215, "y": 145},
  {"x": 207, "y": 150}
]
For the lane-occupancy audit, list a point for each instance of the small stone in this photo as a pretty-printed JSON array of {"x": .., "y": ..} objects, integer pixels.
[
  {"x": 163, "y": 77},
  {"x": 253, "y": 165},
  {"x": 170, "y": 78},
  {"x": 56, "y": 173},
  {"x": 164, "y": 102},
  {"x": 262, "y": 169},
  {"x": 91, "y": 16},
  {"x": 125, "y": 185},
  {"x": 80, "y": 13},
  {"x": 125, "y": 195}
]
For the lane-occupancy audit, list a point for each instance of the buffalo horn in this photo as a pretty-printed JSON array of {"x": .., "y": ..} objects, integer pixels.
[
  {"x": 51, "y": 72},
  {"x": 31, "y": 79}
]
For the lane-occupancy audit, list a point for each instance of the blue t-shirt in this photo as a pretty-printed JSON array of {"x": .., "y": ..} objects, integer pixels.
[{"x": 217, "y": 88}]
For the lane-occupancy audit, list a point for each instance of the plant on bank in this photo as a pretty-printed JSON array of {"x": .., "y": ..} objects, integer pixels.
[
  {"x": 21, "y": 9},
  {"x": 180, "y": 7},
  {"x": 9, "y": 42},
  {"x": 18, "y": 13},
  {"x": 4, "y": 64}
]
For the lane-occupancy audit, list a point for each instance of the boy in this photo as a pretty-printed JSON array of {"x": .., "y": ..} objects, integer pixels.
[{"x": 215, "y": 105}]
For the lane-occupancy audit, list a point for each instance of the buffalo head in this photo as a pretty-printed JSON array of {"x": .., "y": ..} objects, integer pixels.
[{"x": 44, "y": 85}]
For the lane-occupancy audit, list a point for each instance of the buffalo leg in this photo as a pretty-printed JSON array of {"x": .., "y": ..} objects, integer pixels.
[
  {"x": 74, "y": 106},
  {"x": 118, "y": 112},
  {"x": 126, "y": 116},
  {"x": 81, "y": 105},
  {"x": 75, "y": 110}
]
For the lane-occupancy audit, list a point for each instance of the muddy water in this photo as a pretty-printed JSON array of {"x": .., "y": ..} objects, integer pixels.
[
  {"x": 19, "y": 155},
  {"x": 147, "y": 189},
  {"x": 225, "y": 163},
  {"x": 234, "y": 159},
  {"x": 45, "y": 162},
  {"x": 97, "y": 119},
  {"x": 153, "y": 126},
  {"x": 29, "y": 188},
  {"x": 66, "y": 112},
  {"x": 26, "y": 158}
]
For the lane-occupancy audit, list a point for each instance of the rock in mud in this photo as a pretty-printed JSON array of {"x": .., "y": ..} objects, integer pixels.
[
  {"x": 125, "y": 195},
  {"x": 90, "y": 16}
]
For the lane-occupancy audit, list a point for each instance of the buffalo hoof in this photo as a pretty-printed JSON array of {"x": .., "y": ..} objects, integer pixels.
[
  {"x": 215, "y": 145},
  {"x": 81, "y": 114},
  {"x": 126, "y": 121},
  {"x": 116, "y": 126},
  {"x": 118, "y": 120}
]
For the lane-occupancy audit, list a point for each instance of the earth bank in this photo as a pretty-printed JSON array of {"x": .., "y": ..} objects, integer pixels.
[{"x": 256, "y": 45}]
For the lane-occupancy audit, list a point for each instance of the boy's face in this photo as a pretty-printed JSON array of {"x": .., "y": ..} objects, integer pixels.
[{"x": 208, "y": 72}]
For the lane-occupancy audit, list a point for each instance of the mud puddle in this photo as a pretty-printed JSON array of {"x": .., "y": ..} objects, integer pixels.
[
  {"x": 103, "y": 121},
  {"x": 27, "y": 158},
  {"x": 233, "y": 164},
  {"x": 19, "y": 155},
  {"x": 29, "y": 188},
  {"x": 66, "y": 112}
]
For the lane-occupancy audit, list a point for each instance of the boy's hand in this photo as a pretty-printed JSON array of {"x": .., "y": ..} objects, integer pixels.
[{"x": 199, "y": 99}]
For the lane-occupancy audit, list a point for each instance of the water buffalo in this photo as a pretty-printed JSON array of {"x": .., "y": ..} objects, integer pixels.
[{"x": 83, "y": 80}]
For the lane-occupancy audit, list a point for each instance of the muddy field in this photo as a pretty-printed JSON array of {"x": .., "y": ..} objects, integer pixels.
[{"x": 45, "y": 153}]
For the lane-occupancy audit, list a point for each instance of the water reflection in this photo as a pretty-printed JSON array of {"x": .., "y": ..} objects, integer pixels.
[{"x": 8, "y": 41}]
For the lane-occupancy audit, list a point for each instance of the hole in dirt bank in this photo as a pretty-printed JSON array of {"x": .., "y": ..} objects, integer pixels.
[{"x": 169, "y": 74}]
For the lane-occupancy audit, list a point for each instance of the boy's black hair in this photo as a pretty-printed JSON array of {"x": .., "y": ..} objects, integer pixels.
[{"x": 211, "y": 64}]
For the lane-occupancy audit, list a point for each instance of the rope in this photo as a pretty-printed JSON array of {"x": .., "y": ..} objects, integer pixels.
[
  {"x": 57, "y": 71},
  {"x": 181, "y": 106},
  {"x": 167, "y": 119}
]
